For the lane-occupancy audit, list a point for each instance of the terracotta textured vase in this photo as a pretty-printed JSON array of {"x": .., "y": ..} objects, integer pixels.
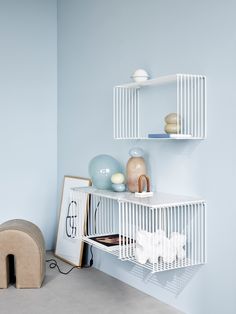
[{"x": 135, "y": 167}]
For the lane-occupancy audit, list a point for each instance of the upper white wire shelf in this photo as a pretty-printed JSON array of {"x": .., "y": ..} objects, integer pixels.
[{"x": 140, "y": 114}]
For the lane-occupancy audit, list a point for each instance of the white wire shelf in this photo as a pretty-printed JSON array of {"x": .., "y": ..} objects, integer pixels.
[
  {"x": 159, "y": 233},
  {"x": 136, "y": 115}
]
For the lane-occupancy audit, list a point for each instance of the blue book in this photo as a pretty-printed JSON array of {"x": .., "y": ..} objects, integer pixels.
[{"x": 162, "y": 135}]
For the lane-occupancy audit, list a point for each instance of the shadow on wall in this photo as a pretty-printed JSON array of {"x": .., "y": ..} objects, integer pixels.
[{"x": 173, "y": 281}]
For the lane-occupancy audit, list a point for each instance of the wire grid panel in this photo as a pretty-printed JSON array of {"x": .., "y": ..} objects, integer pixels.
[
  {"x": 163, "y": 238},
  {"x": 190, "y": 106},
  {"x": 126, "y": 113},
  {"x": 102, "y": 216}
]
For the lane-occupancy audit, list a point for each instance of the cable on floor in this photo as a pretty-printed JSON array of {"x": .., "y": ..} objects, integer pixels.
[{"x": 53, "y": 264}]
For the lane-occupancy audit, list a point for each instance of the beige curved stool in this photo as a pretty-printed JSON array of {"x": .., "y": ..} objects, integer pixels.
[{"x": 25, "y": 241}]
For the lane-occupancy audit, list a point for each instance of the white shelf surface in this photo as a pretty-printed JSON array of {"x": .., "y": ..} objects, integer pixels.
[
  {"x": 156, "y": 81},
  {"x": 182, "y": 138},
  {"x": 157, "y": 267},
  {"x": 157, "y": 200}
]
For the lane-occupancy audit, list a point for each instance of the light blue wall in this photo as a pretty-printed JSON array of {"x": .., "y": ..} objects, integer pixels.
[
  {"x": 28, "y": 112},
  {"x": 100, "y": 44}
]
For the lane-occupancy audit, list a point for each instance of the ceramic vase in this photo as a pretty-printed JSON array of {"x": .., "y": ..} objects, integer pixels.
[{"x": 135, "y": 167}]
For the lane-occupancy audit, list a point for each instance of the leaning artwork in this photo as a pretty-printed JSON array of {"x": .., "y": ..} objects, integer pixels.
[{"x": 72, "y": 222}]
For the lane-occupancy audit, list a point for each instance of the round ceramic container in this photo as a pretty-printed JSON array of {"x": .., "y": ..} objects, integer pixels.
[{"x": 118, "y": 187}]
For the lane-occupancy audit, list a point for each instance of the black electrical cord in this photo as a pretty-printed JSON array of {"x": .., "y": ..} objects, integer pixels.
[
  {"x": 91, "y": 259},
  {"x": 53, "y": 264}
]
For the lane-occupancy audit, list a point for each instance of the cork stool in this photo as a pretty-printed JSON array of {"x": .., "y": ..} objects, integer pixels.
[{"x": 25, "y": 242}]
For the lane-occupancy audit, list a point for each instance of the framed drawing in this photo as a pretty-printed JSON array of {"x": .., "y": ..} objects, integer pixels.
[{"x": 72, "y": 221}]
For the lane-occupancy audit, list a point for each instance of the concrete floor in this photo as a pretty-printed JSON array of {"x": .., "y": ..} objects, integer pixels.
[{"x": 83, "y": 291}]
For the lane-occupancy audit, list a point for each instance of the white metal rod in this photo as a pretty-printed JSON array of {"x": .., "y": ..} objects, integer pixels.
[
  {"x": 177, "y": 103},
  {"x": 192, "y": 91},
  {"x": 205, "y": 107},
  {"x": 126, "y": 230},
  {"x": 117, "y": 113},
  {"x": 159, "y": 223},
  {"x": 181, "y": 104},
  {"x": 135, "y": 114},
  {"x": 185, "y": 230},
  {"x": 175, "y": 215},
  {"x": 123, "y": 229},
  {"x": 95, "y": 215},
  {"x": 130, "y": 234},
  {"x": 199, "y": 233},
  {"x": 182, "y": 228},
  {"x": 202, "y": 236},
  {"x": 168, "y": 233},
  {"x": 109, "y": 211},
  {"x": 120, "y": 118},
  {"x": 123, "y": 113},
  {"x": 92, "y": 215},
  {"x": 142, "y": 217},
  {"x": 195, "y": 106},
  {"x": 129, "y": 115},
  {"x": 126, "y": 113},
  {"x": 146, "y": 218},
  {"x": 114, "y": 112},
  {"x": 153, "y": 241},
  {"x": 198, "y": 107},
  {"x": 185, "y": 105},
  {"x": 165, "y": 228},
  {"x": 205, "y": 234},
  {"x": 138, "y": 115},
  {"x": 120, "y": 245},
  {"x": 105, "y": 216},
  {"x": 192, "y": 235},
  {"x": 188, "y": 104},
  {"x": 99, "y": 215},
  {"x": 202, "y": 107},
  {"x": 133, "y": 230},
  {"x": 132, "y": 113},
  {"x": 195, "y": 232}
]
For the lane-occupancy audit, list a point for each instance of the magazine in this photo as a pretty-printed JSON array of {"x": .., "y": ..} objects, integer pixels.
[{"x": 111, "y": 241}]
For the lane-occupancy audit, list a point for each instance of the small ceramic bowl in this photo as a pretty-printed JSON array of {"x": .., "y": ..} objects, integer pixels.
[
  {"x": 140, "y": 75},
  {"x": 118, "y": 187}
]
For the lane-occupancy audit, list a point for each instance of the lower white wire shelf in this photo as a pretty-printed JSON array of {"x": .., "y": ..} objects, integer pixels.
[{"x": 160, "y": 233}]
